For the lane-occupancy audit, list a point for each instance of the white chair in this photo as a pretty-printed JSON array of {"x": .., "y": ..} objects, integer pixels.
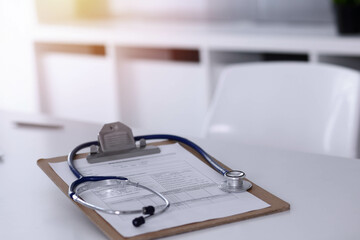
[{"x": 288, "y": 105}]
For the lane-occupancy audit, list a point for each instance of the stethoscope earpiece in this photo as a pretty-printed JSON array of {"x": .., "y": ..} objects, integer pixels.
[
  {"x": 149, "y": 210},
  {"x": 137, "y": 222}
]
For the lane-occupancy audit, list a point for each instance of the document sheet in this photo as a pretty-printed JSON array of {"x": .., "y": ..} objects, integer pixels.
[{"x": 190, "y": 185}]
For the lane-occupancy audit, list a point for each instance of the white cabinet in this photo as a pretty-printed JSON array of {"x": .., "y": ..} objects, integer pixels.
[
  {"x": 161, "y": 76},
  {"x": 163, "y": 96},
  {"x": 78, "y": 87}
]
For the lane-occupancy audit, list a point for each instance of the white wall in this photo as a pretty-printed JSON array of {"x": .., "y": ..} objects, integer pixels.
[
  {"x": 17, "y": 81},
  {"x": 260, "y": 10},
  {"x": 266, "y": 10},
  {"x": 295, "y": 10},
  {"x": 18, "y": 84}
]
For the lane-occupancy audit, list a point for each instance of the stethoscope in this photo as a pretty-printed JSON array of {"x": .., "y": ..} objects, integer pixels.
[{"x": 234, "y": 180}]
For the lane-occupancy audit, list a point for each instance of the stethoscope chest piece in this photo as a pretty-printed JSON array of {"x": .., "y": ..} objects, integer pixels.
[{"x": 235, "y": 182}]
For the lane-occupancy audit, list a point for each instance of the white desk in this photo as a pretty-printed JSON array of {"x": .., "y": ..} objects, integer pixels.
[{"x": 323, "y": 191}]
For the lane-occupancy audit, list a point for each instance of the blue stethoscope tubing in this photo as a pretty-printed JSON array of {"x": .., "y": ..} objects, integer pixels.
[
  {"x": 147, "y": 213},
  {"x": 187, "y": 142}
]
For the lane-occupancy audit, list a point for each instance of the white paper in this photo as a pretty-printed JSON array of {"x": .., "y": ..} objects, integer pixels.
[{"x": 189, "y": 184}]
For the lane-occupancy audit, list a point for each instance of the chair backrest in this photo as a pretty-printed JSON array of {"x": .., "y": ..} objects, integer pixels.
[{"x": 289, "y": 105}]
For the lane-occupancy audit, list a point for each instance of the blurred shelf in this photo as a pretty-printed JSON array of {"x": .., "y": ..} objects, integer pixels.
[
  {"x": 192, "y": 54},
  {"x": 219, "y": 36}
]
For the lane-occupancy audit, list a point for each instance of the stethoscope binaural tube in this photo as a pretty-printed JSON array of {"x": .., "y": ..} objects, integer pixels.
[
  {"x": 189, "y": 143},
  {"x": 234, "y": 179},
  {"x": 147, "y": 211}
]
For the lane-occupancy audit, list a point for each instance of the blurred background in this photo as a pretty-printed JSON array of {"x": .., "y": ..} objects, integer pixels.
[{"x": 151, "y": 64}]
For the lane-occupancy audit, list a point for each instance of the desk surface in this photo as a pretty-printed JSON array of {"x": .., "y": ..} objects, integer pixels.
[{"x": 323, "y": 191}]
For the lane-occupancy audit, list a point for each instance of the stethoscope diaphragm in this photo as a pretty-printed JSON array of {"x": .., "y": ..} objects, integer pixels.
[{"x": 235, "y": 182}]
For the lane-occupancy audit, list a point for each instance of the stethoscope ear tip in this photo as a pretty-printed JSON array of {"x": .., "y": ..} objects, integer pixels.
[
  {"x": 149, "y": 210},
  {"x": 137, "y": 222}
]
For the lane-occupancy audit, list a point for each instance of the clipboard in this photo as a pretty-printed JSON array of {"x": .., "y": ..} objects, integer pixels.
[{"x": 276, "y": 204}]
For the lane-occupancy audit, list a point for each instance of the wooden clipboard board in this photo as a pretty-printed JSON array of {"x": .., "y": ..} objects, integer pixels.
[{"x": 276, "y": 204}]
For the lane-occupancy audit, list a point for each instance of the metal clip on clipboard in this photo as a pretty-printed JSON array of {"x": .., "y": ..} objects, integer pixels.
[{"x": 117, "y": 142}]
